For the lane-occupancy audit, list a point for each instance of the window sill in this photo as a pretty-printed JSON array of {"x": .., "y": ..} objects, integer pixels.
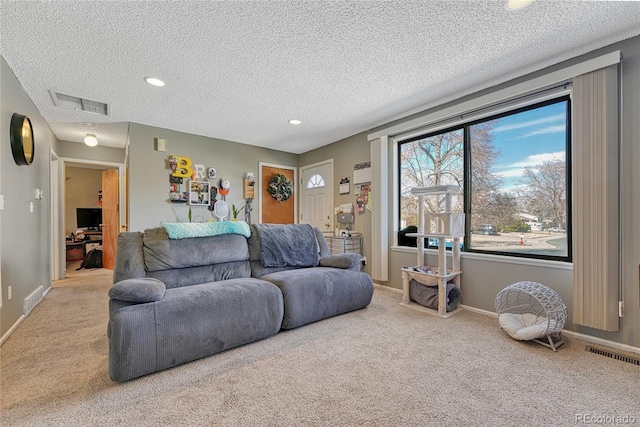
[{"x": 502, "y": 259}]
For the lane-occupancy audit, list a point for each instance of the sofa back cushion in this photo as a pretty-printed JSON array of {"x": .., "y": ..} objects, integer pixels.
[
  {"x": 255, "y": 256},
  {"x": 162, "y": 253},
  {"x": 179, "y": 277},
  {"x": 181, "y": 262}
]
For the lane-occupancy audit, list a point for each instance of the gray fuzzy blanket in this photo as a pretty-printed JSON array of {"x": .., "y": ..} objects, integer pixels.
[{"x": 283, "y": 245}]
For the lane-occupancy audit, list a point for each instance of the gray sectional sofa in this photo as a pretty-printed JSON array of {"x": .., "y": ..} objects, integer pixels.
[{"x": 178, "y": 300}]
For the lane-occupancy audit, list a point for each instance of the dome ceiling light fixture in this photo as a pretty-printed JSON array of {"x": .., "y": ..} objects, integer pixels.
[
  {"x": 517, "y": 4},
  {"x": 91, "y": 140},
  {"x": 295, "y": 122},
  {"x": 154, "y": 81}
]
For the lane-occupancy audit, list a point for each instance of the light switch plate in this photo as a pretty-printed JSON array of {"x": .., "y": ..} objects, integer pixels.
[{"x": 160, "y": 144}]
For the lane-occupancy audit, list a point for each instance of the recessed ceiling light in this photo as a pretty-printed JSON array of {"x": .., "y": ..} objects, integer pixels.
[
  {"x": 517, "y": 4},
  {"x": 91, "y": 140},
  {"x": 154, "y": 81},
  {"x": 295, "y": 122}
]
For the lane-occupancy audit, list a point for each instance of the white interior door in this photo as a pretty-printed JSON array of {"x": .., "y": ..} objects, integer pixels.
[{"x": 317, "y": 195}]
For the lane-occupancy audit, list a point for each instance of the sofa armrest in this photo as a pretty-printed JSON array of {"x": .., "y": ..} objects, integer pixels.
[
  {"x": 140, "y": 290},
  {"x": 344, "y": 261},
  {"x": 129, "y": 256}
]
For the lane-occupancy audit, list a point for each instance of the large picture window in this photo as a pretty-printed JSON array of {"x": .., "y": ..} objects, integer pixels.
[{"x": 513, "y": 169}]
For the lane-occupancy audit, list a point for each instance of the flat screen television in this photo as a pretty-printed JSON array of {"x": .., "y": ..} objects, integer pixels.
[{"x": 89, "y": 218}]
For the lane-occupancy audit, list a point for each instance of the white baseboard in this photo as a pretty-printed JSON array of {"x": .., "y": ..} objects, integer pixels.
[
  {"x": 480, "y": 311},
  {"x": 386, "y": 288},
  {"x": 12, "y": 329},
  {"x": 21, "y": 319},
  {"x": 602, "y": 341}
]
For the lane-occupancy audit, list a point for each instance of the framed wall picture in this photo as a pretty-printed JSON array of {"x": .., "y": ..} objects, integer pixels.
[
  {"x": 199, "y": 193},
  {"x": 177, "y": 190}
]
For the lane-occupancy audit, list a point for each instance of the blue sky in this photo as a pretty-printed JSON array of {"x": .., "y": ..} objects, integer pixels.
[{"x": 528, "y": 139}]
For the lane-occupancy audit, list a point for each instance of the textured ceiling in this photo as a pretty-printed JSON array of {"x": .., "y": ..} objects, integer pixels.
[{"x": 240, "y": 70}]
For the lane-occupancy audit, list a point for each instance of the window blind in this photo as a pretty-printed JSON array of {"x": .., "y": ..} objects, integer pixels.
[{"x": 595, "y": 180}]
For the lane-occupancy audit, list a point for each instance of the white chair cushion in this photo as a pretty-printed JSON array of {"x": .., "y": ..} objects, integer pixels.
[{"x": 523, "y": 327}]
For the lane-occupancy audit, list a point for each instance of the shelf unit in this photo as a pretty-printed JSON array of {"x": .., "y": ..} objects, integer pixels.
[
  {"x": 442, "y": 226},
  {"x": 346, "y": 244},
  {"x": 88, "y": 240}
]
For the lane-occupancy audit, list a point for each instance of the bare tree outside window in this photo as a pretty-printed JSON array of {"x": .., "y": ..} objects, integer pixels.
[
  {"x": 545, "y": 192},
  {"x": 488, "y": 206},
  {"x": 426, "y": 162}
]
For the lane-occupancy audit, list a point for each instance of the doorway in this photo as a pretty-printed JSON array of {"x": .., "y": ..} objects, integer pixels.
[{"x": 96, "y": 187}]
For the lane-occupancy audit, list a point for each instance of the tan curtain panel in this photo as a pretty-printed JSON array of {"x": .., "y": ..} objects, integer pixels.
[{"x": 595, "y": 199}]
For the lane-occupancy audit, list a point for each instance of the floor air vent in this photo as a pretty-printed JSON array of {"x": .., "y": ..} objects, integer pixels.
[
  {"x": 621, "y": 357},
  {"x": 32, "y": 300}
]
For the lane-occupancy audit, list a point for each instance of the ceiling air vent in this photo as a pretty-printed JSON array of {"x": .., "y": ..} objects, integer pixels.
[{"x": 75, "y": 103}]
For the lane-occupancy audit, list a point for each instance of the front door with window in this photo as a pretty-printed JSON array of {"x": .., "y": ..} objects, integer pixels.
[{"x": 317, "y": 196}]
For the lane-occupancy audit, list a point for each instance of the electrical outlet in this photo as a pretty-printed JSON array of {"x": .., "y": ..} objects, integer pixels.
[
  {"x": 9, "y": 293},
  {"x": 364, "y": 260}
]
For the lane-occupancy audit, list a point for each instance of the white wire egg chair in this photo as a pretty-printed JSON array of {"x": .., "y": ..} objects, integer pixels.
[{"x": 531, "y": 311}]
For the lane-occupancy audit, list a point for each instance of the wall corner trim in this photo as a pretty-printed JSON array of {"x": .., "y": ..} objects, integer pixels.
[{"x": 380, "y": 213}]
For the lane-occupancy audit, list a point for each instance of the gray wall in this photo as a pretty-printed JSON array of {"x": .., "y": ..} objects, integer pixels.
[
  {"x": 345, "y": 154},
  {"x": 149, "y": 204},
  {"x": 25, "y": 242},
  {"x": 630, "y": 197}
]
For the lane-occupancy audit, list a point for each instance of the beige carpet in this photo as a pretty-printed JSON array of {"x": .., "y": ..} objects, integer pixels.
[{"x": 386, "y": 365}]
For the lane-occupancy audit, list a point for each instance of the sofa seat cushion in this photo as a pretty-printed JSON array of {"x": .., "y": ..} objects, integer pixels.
[
  {"x": 316, "y": 293},
  {"x": 190, "y": 323}
]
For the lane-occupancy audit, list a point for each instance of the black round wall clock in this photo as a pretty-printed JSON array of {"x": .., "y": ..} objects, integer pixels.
[{"x": 22, "y": 146}]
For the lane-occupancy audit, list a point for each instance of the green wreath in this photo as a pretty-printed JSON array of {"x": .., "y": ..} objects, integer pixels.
[{"x": 280, "y": 187}]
